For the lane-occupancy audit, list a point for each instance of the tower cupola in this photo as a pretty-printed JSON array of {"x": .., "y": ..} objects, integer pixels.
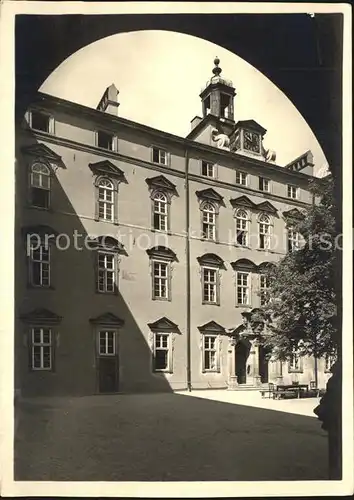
[{"x": 218, "y": 95}]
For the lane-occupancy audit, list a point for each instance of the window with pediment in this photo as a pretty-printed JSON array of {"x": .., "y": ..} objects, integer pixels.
[
  {"x": 242, "y": 227},
  {"x": 161, "y": 192},
  {"x": 210, "y": 266},
  {"x": 264, "y": 231},
  {"x": 211, "y": 346},
  {"x": 40, "y": 185},
  {"x": 244, "y": 270},
  {"x": 209, "y": 204},
  {"x": 161, "y": 259},
  {"x": 41, "y": 339},
  {"x": 107, "y": 179}
]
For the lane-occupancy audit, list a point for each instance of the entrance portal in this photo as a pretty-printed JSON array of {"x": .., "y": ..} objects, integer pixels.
[
  {"x": 242, "y": 351},
  {"x": 263, "y": 364}
]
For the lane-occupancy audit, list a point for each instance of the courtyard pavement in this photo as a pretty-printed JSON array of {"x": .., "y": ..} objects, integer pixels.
[{"x": 198, "y": 436}]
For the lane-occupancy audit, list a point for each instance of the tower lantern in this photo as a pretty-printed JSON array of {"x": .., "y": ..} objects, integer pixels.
[{"x": 218, "y": 96}]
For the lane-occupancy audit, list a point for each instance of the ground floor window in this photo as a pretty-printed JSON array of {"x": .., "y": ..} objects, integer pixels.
[
  {"x": 41, "y": 349},
  {"x": 107, "y": 343},
  {"x": 211, "y": 356},
  {"x": 162, "y": 358}
]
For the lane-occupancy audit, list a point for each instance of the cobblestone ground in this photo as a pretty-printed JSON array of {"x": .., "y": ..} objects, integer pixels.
[{"x": 164, "y": 437}]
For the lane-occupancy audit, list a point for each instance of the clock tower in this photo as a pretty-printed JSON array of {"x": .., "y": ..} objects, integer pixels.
[{"x": 247, "y": 138}]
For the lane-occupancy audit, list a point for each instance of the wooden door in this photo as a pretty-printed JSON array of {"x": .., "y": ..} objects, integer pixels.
[{"x": 108, "y": 362}]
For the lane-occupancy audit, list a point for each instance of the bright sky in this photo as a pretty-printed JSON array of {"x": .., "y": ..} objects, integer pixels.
[{"x": 159, "y": 75}]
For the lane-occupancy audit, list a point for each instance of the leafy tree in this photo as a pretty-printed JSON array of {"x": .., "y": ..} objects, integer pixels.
[{"x": 301, "y": 295}]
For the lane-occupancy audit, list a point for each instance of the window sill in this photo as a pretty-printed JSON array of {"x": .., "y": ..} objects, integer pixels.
[
  {"x": 161, "y": 299},
  {"x": 209, "y": 240},
  {"x": 100, "y": 292},
  {"x": 37, "y": 287},
  {"x": 160, "y": 231},
  {"x": 295, "y": 371},
  {"x": 204, "y": 303},
  {"x": 43, "y": 209},
  {"x": 160, "y": 164},
  {"x": 211, "y": 371},
  {"x": 162, "y": 371},
  {"x": 243, "y": 306}
]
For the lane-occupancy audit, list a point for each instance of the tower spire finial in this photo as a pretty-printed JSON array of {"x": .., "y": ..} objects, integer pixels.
[{"x": 217, "y": 70}]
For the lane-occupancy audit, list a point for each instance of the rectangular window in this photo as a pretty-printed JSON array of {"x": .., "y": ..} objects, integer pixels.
[
  {"x": 210, "y": 285},
  {"x": 41, "y": 349},
  {"x": 293, "y": 240},
  {"x": 106, "y": 200},
  {"x": 106, "y": 275},
  {"x": 161, "y": 355},
  {"x": 159, "y": 156},
  {"x": 264, "y": 184},
  {"x": 210, "y": 353},
  {"x": 208, "y": 222},
  {"x": 292, "y": 191},
  {"x": 39, "y": 264},
  {"x": 263, "y": 288},
  {"x": 243, "y": 288},
  {"x": 241, "y": 178},
  {"x": 160, "y": 280},
  {"x": 40, "y": 121},
  {"x": 105, "y": 140},
  {"x": 208, "y": 169},
  {"x": 40, "y": 185},
  {"x": 107, "y": 343}
]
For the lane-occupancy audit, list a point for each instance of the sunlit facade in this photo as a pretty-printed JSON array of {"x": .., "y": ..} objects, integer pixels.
[{"x": 140, "y": 255}]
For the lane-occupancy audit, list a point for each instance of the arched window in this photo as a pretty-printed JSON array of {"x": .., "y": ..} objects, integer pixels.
[
  {"x": 264, "y": 231},
  {"x": 208, "y": 221},
  {"x": 40, "y": 185},
  {"x": 160, "y": 208},
  {"x": 241, "y": 227},
  {"x": 293, "y": 240},
  {"x": 106, "y": 200}
]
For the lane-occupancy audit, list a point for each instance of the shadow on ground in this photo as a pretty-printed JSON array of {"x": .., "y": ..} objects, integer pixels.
[{"x": 164, "y": 437}]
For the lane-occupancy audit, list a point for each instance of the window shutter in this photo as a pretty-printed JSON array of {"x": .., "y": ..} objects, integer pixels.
[
  {"x": 96, "y": 203},
  {"x": 54, "y": 337},
  {"x": 51, "y": 127},
  {"x": 171, "y": 341},
  {"x": 28, "y": 338},
  {"x": 218, "y": 286},
  {"x": 95, "y": 268},
  {"x": 169, "y": 281},
  {"x": 115, "y": 203},
  {"x": 202, "y": 353},
  {"x": 218, "y": 353}
]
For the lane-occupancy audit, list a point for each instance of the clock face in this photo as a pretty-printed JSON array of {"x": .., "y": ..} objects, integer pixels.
[{"x": 251, "y": 141}]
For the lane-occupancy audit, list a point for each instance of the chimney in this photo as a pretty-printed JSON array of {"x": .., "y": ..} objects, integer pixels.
[
  {"x": 109, "y": 101},
  {"x": 196, "y": 120}
]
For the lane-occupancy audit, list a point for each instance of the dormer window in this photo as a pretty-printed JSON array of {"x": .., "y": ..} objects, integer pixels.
[
  {"x": 159, "y": 156},
  {"x": 41, "y": 121},
  {"x": 105, "y": 140}
]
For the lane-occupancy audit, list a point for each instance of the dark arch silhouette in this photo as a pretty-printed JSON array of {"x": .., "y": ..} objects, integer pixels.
[{"x": 271, "y": 43}]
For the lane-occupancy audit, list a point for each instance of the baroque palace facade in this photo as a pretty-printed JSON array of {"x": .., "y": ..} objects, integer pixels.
[{"x": 140, "y": 254}]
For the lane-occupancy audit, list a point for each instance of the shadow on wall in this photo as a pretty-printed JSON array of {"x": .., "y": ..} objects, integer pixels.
[{"x": 77, "y": 367}]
